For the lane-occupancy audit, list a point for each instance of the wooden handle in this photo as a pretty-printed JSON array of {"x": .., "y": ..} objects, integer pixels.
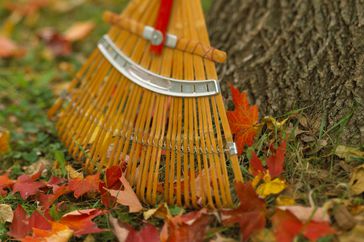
[{"x": 183, "y": 44}]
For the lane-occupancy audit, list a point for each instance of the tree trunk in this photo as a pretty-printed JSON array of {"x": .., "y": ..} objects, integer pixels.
[{"x": 291, "y": 54}]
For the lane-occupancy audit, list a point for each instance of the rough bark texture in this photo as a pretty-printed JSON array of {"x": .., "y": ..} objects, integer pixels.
[{"x": 293, "y": 54}]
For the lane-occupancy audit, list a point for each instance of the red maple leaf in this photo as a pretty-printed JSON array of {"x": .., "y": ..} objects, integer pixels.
[
  {"x": 80, "y": 221},
  {"x": 250, "y": 215},
  {"x": 186, "y": 228},
  {"x": 46, "y": 200},
  {"x": 23, "y": 225},
  {"x": 256, "y": 164},
  {"x": 82, "y": 186},
  {"x": 276, "y": 161},
  {"x": 287, "y": 226},
  {"x": 112, "y": 181},
  {"x": 27, "y": 186},
  {"x": 5, "y": 182},
  {"x": 242, "y": 120},
  {"x": 148, "y": 233}
]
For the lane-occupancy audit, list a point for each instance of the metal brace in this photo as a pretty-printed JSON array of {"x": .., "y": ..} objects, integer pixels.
[
  {"x": 156, "y": 37},
  {"x": 154, "y": 82}
]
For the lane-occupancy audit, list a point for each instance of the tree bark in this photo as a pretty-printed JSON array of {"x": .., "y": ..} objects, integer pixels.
[{"x": 291, "y": 54}]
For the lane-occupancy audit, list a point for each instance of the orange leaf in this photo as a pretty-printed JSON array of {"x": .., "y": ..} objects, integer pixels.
[
  {"x": 82, "y": 186},
  {"x": 256, "y": 165},
  {"x": 126, "y": 197},
  {"x": 242, "y": 120},
  {"x": 5, "y": 182},
  {"x": 59, "y": 233},
  {"x": 80, "y": 221},
  {"x": 186, "y": 228},
  {"x": 79, "y": 31},
  {"x": 286, "y": 227},
  {"x": 9, "y": 49},
  {"x": 250, "y": 215}
]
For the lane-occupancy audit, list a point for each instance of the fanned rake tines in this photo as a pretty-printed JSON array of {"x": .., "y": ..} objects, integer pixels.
[{"x": 176, "y": 148}]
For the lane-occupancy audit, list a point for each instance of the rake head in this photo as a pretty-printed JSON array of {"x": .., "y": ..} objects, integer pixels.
[{"x": 161, "y": 116}]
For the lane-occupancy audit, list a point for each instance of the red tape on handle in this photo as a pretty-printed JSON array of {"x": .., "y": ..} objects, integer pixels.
[{"x": 162, "y": 22}]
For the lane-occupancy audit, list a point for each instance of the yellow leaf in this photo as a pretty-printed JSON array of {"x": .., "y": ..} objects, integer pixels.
[
  {"x": 273, "y": 124},
  {"x": 275, "y": 186},
  {"x": 357, "y": 181},
  {"x": 348, "y": 153},
  {"x": 4, "y": 141},
  {"x": 162, "y": 212},
  {"x": 285, "y": 201},
  {"x": 72, "y": 173},
  {"x": 6, "y": 213}
]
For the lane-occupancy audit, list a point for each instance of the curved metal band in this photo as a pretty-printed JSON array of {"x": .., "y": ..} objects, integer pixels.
[{"x": 154, "y": 82}]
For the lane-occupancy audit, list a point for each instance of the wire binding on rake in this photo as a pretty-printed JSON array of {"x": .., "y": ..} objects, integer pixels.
[{"x": 177, "y": 148}]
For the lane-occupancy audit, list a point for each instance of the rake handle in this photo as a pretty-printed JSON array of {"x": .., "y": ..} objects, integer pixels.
[{"x": 191, "y": 46}]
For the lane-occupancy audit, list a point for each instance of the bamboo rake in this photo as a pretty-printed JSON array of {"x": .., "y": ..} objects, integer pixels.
[{"x": 175, "y": 148}]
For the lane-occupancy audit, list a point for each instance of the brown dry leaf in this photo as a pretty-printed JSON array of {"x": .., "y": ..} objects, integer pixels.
[
  {"x": 357, "y": 181},
  {"x": 343, "y": 218},
  {"x": 72, "y": 173},
  {"x": 36, "y": 166},
  {"x": 305, "y": 214},
  {"x": 30, "y": 7},
  {"x": 6, "y": 213},
  {"x": 9, "y": 49},
  {"x": 79, "y": 31},
  {"x": 348, "y": 153}
]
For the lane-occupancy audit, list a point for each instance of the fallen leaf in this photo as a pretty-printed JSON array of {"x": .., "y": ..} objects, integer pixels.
[
  {"x": 250, "y": 214},
  {"x": 162, "y": 212},
  {"x": 270, "y": 187},
  {"x": 148, "y": 233},
  {"x": 283, "y": 200},
  {"x": 126, "y": 197},
  {"x": 185, "y": 228},
  {"x": 5, "y": 182},
  {"x": 27, "y": 186},
  {"x": 357, "y": 181},
  {"x": 343, "y": 218},
  {"x": 79, "y": 31},
  {"x": 273, "y": 124},
  {"x": 80, "y": 221},
  {"x": 305, "y": 214},
  {"x": 58, "y": 232},
  {"x": 256, "y": 165},
  {"x": 286, "y": 227},
  {"x": 82, "y": 186},
  {"x": 23, "y": 225},
  {"x": 243, "y": 120},
  {"x": 65, "y": 5},
  {"x": 4, "y": 134},
  {"x": 56, "y": 42},
  {"x": 275, "y": 162},
  {"x": 6, "y": 213},
  {"x": 348, "y": 153},
  {"x": 72, "y": 173},
  {"x": 120, "y": 230},
  {"x": 112, "y": 181},
  {"x": 354, "y": 235},
  {"x": 46, "y": 200}
]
